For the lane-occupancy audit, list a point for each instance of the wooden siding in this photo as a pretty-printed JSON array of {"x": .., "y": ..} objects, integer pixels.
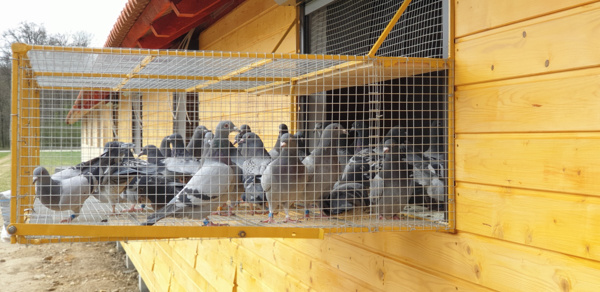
[
  {"x": 527, "y": 205},
  {"x": 254, "y": 26},
  {"x": 157, "y": 117},
  {"x": 96, "y": 130}
]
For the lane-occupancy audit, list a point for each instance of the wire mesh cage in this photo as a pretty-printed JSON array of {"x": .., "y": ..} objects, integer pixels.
[{"x": 130, "y": 144}]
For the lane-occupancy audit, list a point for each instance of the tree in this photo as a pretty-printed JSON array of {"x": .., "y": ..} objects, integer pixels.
[{"x": 33, "y": 34}]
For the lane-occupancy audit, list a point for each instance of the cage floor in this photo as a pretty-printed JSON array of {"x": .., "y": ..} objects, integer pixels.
[{"x": 95, "y": 212}]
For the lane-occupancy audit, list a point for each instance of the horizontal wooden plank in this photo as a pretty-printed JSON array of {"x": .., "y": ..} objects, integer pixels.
[
  {"x": 162, "y": 270},
  {"x": 220, "y": 271},
  {"x": 489, "y": 262},
  {"x": 258, "y": 35},
  {"x": 245, "y": 13},
  {"x": 568, "y": 224},
  {"x": 473, "y": 16},
  {"x": 306, "y": 268},
  {"x": 375, "y": 267},
  {"x": 246, "y": 282},
  {"x": 566, "y": 101},
  {"x": 134, "y": 251},
  {"x": 542, "y": 45},
  {"x": 267, "y": 274},
  {"x": 182, "y": 272},
  {"x": 553, "y": 162}
]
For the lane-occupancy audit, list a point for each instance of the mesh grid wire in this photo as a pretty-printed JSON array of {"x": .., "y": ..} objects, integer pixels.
[
  {"x": 351, "y": 27},
  {"x": 72, "y": 102}
]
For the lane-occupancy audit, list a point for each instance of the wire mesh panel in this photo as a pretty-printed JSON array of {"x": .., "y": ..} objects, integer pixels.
[
  {"x": 353, "y": 26},
  {"x": 124, "y": 143}
]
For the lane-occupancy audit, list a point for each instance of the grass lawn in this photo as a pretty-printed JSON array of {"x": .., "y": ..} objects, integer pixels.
[{"x": 48, "y": 159}]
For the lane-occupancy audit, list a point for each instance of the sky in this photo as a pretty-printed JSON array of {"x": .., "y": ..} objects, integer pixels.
[{"x": 65, "y": 16}]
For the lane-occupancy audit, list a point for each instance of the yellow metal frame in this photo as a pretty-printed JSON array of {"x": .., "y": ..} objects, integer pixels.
[{"x": 24, "y": 158}]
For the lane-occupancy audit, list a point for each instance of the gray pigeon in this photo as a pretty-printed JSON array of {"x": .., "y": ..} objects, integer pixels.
[
  {"x": 214, "y": 184},
  {"x": 284, "y": 179},
  {"x": 122, "y": 170},
  {"x": 243, "y": 130},
  {"x": 257, "y": 159},
  {"x": 391, "y": 188},
  {"x": 436, "y": 148},
  {"x": 165, "y": 147},
  {"x": 283, "y": 129},
  {"x": 429, "y": 174},
  {"x": 194, "y": 147},
  {"x": 323, "y": 168},
  {"x": 65, "y": 194},
  {"x": 178, "y": 145}
]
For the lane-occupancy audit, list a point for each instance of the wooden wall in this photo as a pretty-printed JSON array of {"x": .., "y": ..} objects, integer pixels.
[
  {"x": 527, "y": 203},
  {"x": 254, "y": 26},
  {"x": 96, "y": 129}
]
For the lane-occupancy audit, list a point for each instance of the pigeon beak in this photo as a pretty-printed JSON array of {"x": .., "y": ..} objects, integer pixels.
[
  {"x": 235, "y": 129},
  {"x": 283, "y": 144},
  {"x": 386, "y": 149},
  {"x": 344, "y": 131},
  {"x": 35, "y": 179}
]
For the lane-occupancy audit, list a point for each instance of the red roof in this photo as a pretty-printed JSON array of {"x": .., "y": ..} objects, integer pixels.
[{"x": 153, "y": 24}]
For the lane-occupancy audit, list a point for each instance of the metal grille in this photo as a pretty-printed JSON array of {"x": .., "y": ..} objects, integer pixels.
[
  {"x": 352, "y": 27},
  {"x": 90, "y": 116}
]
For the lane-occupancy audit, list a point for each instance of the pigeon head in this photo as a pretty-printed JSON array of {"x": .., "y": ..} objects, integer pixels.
[
  {"x": 390, "y": 146},
  {"x": 209, "y": 136},
  {"x": 397, "y": 133},
  {"x": 283, "y": 128},
  {"x": 151, "y": 151},
  {"x": 39, "y": 173},
  {"x": 289, "y": 145},
  {"x": 200, "y": 131},
  {"x": 116, "y": 150},
  {"x": 251, "y": 144},
  {"x": 332, "y": 134},
  {"x": 224, "y": 128},
  {"x": 243, "y": 130},
  {"x": 176, "y": 140}
]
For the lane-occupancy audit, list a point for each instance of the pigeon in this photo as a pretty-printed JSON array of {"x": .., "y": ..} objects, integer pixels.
[
  {"x": 300, "y": 140},
  {"x": 213, "y": 184},
  {"x": 111, "y": 150},
  {"x": 436, "y": 148},
  {"x": 392, "y": 188},
  {"x": 182, "y": 164},
  {"x": 243, "y": 130},
  {"x": 429, "y": 174},
  {"x": 155, "y": 190},
  {"x": 178, "y": 146},
  {"x": 344, "y": 150},
  {"x": 165, "y": 147},
  {"x": 194, "y": 147},
  {"x": 284, "y": 179},
  {"x": 361, "y": 136},
  {"x": 153, "y": 155},
  {"x": 257, "y": 159},
  {"x": 118, "y": 175},
  {"x": 322, "y": 165},
  {"x": 283, "y": 129},
  {"x": 64, "y": 194},
  {"x": 345, "y": 197}
]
